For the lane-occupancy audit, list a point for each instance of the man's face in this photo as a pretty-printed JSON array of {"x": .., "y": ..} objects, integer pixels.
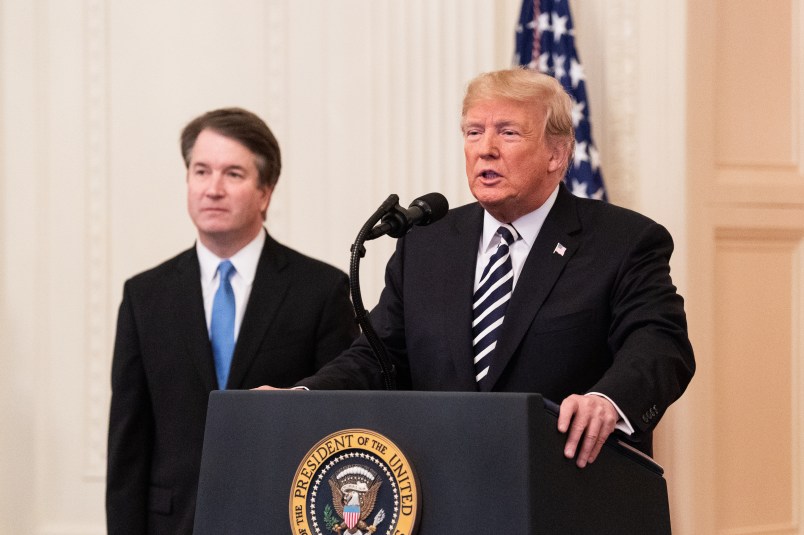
[
  {"x": 511, "y": 167},
  {"x": 224, "y": 196}
]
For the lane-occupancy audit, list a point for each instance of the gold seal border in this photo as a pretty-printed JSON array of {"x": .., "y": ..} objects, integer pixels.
[{"x": 355, "y": 439}]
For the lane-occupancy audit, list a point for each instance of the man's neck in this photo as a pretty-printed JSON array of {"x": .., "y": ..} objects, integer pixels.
[{"x": 224, "y": 246}]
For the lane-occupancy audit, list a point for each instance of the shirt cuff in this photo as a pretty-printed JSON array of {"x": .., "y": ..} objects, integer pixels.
[{"x": 622, "y": 424}]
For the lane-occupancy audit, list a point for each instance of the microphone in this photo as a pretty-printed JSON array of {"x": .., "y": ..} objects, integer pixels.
[{"x": 422, "y": 211}]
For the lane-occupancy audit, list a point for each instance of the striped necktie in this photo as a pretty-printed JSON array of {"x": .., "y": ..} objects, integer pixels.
[
  {"x": 221, "y": 328},
  {"x": 490, "y": 302}
]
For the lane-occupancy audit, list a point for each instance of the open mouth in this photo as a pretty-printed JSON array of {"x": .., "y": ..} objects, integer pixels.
[{"x": 490, "y": 174}]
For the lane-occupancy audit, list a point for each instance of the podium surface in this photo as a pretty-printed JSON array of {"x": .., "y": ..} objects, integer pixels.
[{"x": 484, "y": 463}]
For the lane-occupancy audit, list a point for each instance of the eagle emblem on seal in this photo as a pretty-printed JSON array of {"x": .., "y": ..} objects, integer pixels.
[
  {"x": 354, "y": 493},
  {"x": 354, "y": 482}
]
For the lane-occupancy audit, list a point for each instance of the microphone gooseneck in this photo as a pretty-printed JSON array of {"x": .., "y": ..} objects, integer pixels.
[{"x": 396, "y": 222}]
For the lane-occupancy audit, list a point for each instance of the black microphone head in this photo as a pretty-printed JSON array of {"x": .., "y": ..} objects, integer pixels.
[{"x": 434, "y": 205}]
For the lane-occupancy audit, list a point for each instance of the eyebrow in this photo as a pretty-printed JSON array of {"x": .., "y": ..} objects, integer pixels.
[
  {"x": 498, "y": 124},
  {"x": 234, "y": 166},
  {"x": 507, "y": 122},
  {"x": 225, "y": 167}
]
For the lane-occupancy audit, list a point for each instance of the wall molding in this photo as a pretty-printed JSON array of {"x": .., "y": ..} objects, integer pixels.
[
  {"x": 621, "y": 98},
  {"x": 275, "y": 106},
  {"x": 98, "y": 322}
]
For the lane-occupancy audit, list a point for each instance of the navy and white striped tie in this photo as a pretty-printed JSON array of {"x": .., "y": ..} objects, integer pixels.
[{"x": 490, "y": 302}]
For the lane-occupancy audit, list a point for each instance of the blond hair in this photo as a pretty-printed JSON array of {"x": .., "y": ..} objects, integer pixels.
[{"x": 529, "y": 87}]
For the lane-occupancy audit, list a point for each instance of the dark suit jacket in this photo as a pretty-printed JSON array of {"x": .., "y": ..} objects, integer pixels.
[
  {"x": 298, "y": 317},
  {"x": 603, "y": 316}
]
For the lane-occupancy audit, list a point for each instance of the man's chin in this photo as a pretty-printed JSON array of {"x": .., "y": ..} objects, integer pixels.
[
  {"x": 213, "y": 223},
  {"x": 491, "y": 202},
  {"x": 215, "y": 231},
  {"x": 501, "y": 209},
  {"x": 491, "y": 194}
]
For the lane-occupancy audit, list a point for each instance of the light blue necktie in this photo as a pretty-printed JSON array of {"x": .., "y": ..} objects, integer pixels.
[
  {"x": 221, "y": 329},
  {"x": 490, "y": 302}
]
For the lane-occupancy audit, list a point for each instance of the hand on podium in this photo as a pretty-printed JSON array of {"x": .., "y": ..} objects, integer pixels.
[{"x": 589, "y": 420}]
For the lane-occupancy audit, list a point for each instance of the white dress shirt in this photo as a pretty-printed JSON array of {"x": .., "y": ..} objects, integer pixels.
[
  {"x": 245, "y": 263},
  {"x": 528, "y": 227}
]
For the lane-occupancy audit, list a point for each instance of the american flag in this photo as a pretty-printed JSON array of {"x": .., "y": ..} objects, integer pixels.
[{"x": 545, "y": 40}]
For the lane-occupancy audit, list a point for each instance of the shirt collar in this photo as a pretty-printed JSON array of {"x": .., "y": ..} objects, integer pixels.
[
  {"x": 528, "y": 226},
  {"x": 245, "y": 260}
]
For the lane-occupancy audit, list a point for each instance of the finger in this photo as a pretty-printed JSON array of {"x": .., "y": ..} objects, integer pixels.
[
  {"x": 590, "y": 440},
  {"x": 608, "y": 421},
  {"x": 597, "y": 448},
  {"x": 574, "y": 436},
  {"x": 565, "y": 413},
  {"x": 605, "y": 431}
]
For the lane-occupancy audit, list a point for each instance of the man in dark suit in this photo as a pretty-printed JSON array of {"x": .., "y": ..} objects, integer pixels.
[
  {"x": 235, "y": 311},
  {"x": 578, "y": 304}
]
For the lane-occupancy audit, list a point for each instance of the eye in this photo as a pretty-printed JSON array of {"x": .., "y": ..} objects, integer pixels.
[
  {"x": 471, "y": 132},
  {"x": 235, "y": 174}
]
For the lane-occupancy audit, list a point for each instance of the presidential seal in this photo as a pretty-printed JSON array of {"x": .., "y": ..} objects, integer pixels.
[{"x": 354, "y": 482}]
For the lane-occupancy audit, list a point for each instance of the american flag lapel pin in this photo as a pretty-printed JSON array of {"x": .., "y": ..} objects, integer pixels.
[{"x": 560, "y": 249}]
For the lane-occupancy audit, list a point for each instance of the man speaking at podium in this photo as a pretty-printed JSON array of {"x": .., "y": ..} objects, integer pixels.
[{"x": 532, "y": 289}]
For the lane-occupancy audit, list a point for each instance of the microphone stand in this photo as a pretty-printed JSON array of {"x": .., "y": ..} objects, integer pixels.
[{"x": 359, "y": 251}]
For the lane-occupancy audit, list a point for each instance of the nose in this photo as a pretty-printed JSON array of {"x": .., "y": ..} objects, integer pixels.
[
  {"x": 488, "y": 146},
  {"x": 215, "y": 185}
]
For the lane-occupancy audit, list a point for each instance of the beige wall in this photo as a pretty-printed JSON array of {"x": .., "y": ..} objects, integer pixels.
[
  {"x": 364, "y": 98},
  {"x": 746, "y": 189}
]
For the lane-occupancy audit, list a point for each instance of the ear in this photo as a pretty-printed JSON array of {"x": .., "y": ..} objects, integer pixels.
[
  {"x": 559, "y": 155},
  {"x": 266, "y": 193}
]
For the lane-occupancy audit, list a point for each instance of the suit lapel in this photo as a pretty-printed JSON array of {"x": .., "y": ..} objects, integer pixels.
[
  {"x": 271, "y": 283},
  {"x": 460, "y": 257},
  {"x": 190, "y": 319},
  {"x": 545, "y": 263}
]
